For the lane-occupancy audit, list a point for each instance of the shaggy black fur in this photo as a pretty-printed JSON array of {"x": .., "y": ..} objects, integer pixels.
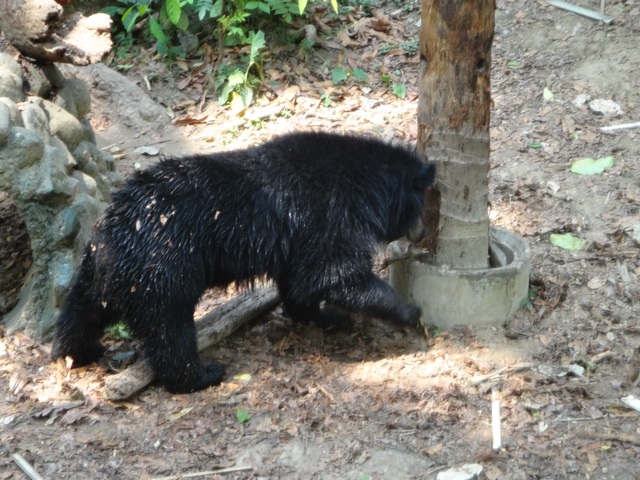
[{"x": 306, "y": 209}]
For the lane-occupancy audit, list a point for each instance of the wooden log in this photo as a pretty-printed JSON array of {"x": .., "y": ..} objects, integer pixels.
[
  {"x": 37, "y": 29},
  {"x": 213, "y": 327}
]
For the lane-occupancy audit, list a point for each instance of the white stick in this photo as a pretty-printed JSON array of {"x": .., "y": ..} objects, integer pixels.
[
  {"x": 632, "y": 402},
  {"x": 585, "y": 12},
  {"x": 495, "y": 420},
  {"x": 622, "y": 126},
  {"x": 26, "y": 467}
]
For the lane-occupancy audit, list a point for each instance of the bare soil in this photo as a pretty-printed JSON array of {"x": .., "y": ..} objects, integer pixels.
[{"x": 375, "y": 401}]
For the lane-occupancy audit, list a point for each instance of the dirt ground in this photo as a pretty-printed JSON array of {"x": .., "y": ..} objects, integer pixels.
[{"x": 375, "y": 402}]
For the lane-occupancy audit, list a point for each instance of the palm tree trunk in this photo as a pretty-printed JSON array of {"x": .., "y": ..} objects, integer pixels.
[{"x": 453, "y": 127}]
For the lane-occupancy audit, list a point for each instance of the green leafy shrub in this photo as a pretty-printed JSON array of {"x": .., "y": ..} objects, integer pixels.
[{"x": 231, "y": 23}]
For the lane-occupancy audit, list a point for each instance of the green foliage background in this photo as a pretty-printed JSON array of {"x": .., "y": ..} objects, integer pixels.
[{"x": 231, "y": 21}]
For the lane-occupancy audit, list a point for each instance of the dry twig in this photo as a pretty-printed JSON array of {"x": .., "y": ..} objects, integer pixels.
[
  {"x": 615, "y": 437},
  {"x": 518, "y": 367},
  {"x": 204, "y": 474}
]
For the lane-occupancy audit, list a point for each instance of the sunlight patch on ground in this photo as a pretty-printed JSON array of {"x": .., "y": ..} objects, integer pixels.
[{"x": 417, "y": 370}]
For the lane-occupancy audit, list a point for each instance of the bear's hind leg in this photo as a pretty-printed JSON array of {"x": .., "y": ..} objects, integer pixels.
[
  {"x": 324, "y": 317},
  {"x": 171, "y": 346}
]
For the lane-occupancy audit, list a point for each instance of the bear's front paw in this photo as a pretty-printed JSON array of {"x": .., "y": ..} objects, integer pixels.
[
  {"x": 409, "y": 315},
  {"x": 84, "y": 355}
]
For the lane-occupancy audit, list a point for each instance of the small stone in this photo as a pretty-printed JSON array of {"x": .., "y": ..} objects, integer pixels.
[
  {"x": 581, "y": 100},
  {"x": 147, "y": 151},
  {"x": 608, "y": 108}
]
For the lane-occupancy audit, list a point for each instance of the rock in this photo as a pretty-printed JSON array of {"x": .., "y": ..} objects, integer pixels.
[
  {"x": 608, "y": 108},
  {"x": 74, "y": 97},
  {"x": 581, "y": 100},
  {"x": 5, "y": 123},
  {"x": 68, "y": 225},
  {"x": 117, "y": 91},
  {"x": 147, "y": 151},
  {"x": 55, "y": 185},
  {"x": 59, "y": 197},
  {"x": 7, "y": 62},
  {"x": 38, "y": 83},
  {"x": 10, "y": 85},
  {"x": 24, "y": 148},
  {"x": 634, "y": 233},
  {"x": 10, "y": 78},
  {"x": 14, "y": 112},
  {"x": 53, "y": 73},
  {"x": 64, "y": 125},
  {"x": 87, "y": 183},
  {"x": 35, "y": 119}
]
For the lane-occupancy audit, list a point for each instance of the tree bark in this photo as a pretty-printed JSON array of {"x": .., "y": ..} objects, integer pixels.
[
  {"x": 212, "y": 328},
  {"x": 453, "y": 127}
]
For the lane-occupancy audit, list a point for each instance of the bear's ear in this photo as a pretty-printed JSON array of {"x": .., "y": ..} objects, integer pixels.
[{"x": 426, "y": 176}]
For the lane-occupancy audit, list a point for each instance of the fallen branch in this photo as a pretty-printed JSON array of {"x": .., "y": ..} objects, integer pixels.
[{"x": 213, "y": 327}]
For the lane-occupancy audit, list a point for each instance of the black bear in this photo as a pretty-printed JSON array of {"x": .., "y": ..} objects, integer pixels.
[{"x": 305, "y": 209}]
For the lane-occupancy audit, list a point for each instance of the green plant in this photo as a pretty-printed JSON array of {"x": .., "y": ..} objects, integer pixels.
[
  {"x": 410, "y": 48},
  {"x": 242, "y": 415},
  {"x": 399, "y": 90},
  {"x": 231, "y": 23},
  {"x": 340, "y": 73},
  {"x": 240, "y": 79},
  {"x": 432, "y": 331},
  {"x": 326, "y": 99},
  {"x": 120, "y": 330},
  {"x": 230, "y": 15},
  {"x": 531, "y": 296}
]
